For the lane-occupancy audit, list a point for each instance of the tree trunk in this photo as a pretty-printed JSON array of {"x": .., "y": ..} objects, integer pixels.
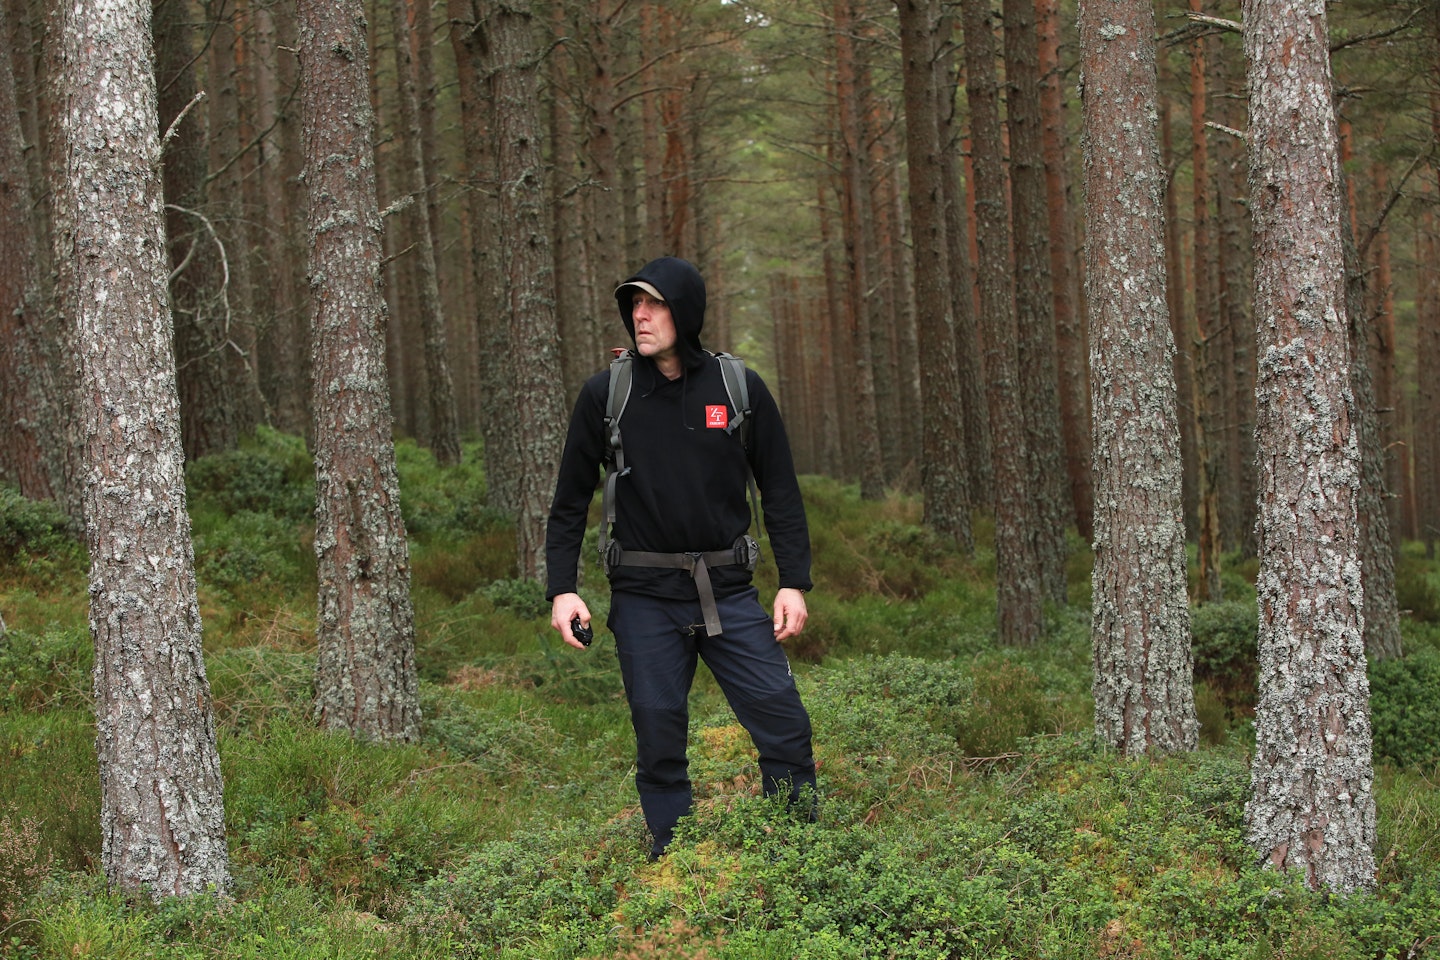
[
  {"x": 1312, "y": 809},
  {"x": 1427, "y": 343},
  {"x": 422, "y": 33},
  {"x": 235, "y": 338},
  {"x": 835, "y": 336},
  {"x": 536, "y": 390},
  {"x": 60, "y": 318},
  {"x": 283, "y": 336},
  {"x": 497, "y": 428},
  {"x": 1020, "y": 590},
  {"x": 856, "y": 189},
  {"x": 651, "y": 141},
  {"x": 33, "y": 405},
  {"x": 199, "y": 256},
  {"x": 1427, "y": 378},
  {"x": 161, "y": 808},
  {"x": 905, "y": 332},
  {"x": 1387, "y": 388},
  {"x": 1180, "y": 330},
  {"x": 1034, "y": 298},
  {"x": 1376, "y": 548},
  {"x": 880, "y": 235},
  {"x": 1070, "y": 337},
  {"x": 1141, "y": 621},
  {"x": 607, "y": 246},
  {"x": 1232, "y": 218},
  {"x": 444, "y": 421},
  {"x": 947, "y": 510},
  {"x": 365, "y": 676},
  {"x": 580, "y": 353},
  {"x": 1209, "y": 352},
  {"x": 961, "y": 283}
]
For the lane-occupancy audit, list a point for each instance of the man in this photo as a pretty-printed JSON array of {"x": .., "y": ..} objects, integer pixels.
[{"x": 680, "y": 588}]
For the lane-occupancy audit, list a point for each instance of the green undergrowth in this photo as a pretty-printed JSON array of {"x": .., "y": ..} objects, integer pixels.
[{"x": 964, "y": 810}]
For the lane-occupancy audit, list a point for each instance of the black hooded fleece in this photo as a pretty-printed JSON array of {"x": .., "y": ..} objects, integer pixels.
[{"x": 686, "y": 489}]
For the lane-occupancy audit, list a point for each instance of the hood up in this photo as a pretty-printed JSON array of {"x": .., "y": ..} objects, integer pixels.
[{"x": 683, "y": 290}]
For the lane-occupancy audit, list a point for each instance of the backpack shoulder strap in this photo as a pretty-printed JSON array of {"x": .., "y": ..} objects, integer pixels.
[
  {"x": 622, "y": 372},
  {"x": 732, "y": 368}
]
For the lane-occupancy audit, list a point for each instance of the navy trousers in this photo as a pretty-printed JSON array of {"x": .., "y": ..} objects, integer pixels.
[{"x": 658, "y": 642}]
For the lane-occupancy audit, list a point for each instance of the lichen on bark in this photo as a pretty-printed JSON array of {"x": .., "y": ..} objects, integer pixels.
[
  {"x": 365, "y": 678},
  {"x": 162, "y": 816},
  {"x": 1312, "y": 808},
  {"x": 1141, "y": 622}
]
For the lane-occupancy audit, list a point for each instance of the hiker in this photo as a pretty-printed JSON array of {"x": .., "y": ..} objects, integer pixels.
[{"x": 687, "y": 431}]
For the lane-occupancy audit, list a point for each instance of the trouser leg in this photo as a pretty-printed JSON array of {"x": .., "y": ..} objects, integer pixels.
[
  {"x": 754, "y": 674},
  {"x": 657, "y": 654}
]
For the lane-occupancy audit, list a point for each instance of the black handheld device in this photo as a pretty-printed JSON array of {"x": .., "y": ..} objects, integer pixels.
[{"x": 583, "y": 632}]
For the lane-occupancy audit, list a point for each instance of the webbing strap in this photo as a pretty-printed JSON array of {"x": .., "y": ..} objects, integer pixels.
[
  {"x": 732, "y": 371},
  {"x": 698, "y": 565},
  {"x": 621, "y": 370}
]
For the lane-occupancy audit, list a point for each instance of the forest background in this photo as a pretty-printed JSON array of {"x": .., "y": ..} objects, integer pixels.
[{"x": 765, "y": 142}]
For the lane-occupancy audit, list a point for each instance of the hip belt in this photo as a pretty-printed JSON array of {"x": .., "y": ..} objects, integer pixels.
[{"x": 745, "y": 553}]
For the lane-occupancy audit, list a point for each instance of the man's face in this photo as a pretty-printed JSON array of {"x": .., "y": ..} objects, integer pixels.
[{"x": 654, "y": 327}]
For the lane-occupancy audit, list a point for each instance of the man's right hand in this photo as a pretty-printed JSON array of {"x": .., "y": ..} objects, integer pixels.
[{"x": 564, "y": 608}]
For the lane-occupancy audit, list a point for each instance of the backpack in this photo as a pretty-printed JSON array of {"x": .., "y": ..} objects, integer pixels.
[{"x": 622, "y": 370}]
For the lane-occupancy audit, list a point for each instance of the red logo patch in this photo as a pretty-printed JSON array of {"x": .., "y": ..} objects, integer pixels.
[{"x": 716, "y": 417}]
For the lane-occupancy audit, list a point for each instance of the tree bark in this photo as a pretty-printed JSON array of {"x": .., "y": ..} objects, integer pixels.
[
  {"x": 365, "y": 682},
  {"x": 855, "y": 192},
  {"x": 879, "y": 233},
  {"x": 283, "y": 335},
  {"x": 580, "y": 351},
  {"x": 1376, "y": 549},
  {"x": 1070, "y": 335},
  {"x": 234, "y": 339},
  {"x": 61, "y": 316},
  {"x": 440, "y": 394},
  {"x": 1144, "y": 699},
  {"x": 536, "y": 389},
  {"x": 1034, "y": 296},
  {"x": 947, "y": 510},
  {"x": 1180, "y": 330},
  {"x": 497, "y": 427},
  {"x": 834, "y": 341},
  {"x": 199, "y": 256},
  {"x": 33, "y": 403},
  {"x": 605, "y": 235},
  {"x": 968, "y": 348},
  {"x": 904, "y": 330},
  {"x": 1232, "y": 219},
  {"x": 1209, "y": 352},
  {"x": 1019, "y": 587},
  {"x": 1427, "y": 377},
  {"x": 161, "y": 807},
  {"x": 1312, "y": 809},
  {"x": 1381, "y": 307}
]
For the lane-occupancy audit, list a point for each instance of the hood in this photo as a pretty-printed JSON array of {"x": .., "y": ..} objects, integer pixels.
[{"x": 683, "y": 290}]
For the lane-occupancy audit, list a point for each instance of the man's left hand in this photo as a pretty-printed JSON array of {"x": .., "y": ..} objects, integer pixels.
[{"x": 790, "y": 613}]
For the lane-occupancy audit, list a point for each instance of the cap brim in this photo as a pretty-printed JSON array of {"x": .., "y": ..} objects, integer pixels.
[{"x": 641, "y": 285}]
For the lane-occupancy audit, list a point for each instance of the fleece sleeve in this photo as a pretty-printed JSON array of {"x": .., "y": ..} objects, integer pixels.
[
  {"x": 780, "y": 500},
  {"x": 575, "y": 487}
]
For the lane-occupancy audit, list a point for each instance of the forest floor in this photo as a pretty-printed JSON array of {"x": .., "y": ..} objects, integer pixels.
[{"x": 965, "y": 809}]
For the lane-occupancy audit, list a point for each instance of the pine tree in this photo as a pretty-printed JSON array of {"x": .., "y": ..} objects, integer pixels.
[
  {"x": 161, "y": 808},
  {"x": 365, "y": 678},
  {"x": 1141, "y": 621},
  {"x": 1312, "y": 809}
]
